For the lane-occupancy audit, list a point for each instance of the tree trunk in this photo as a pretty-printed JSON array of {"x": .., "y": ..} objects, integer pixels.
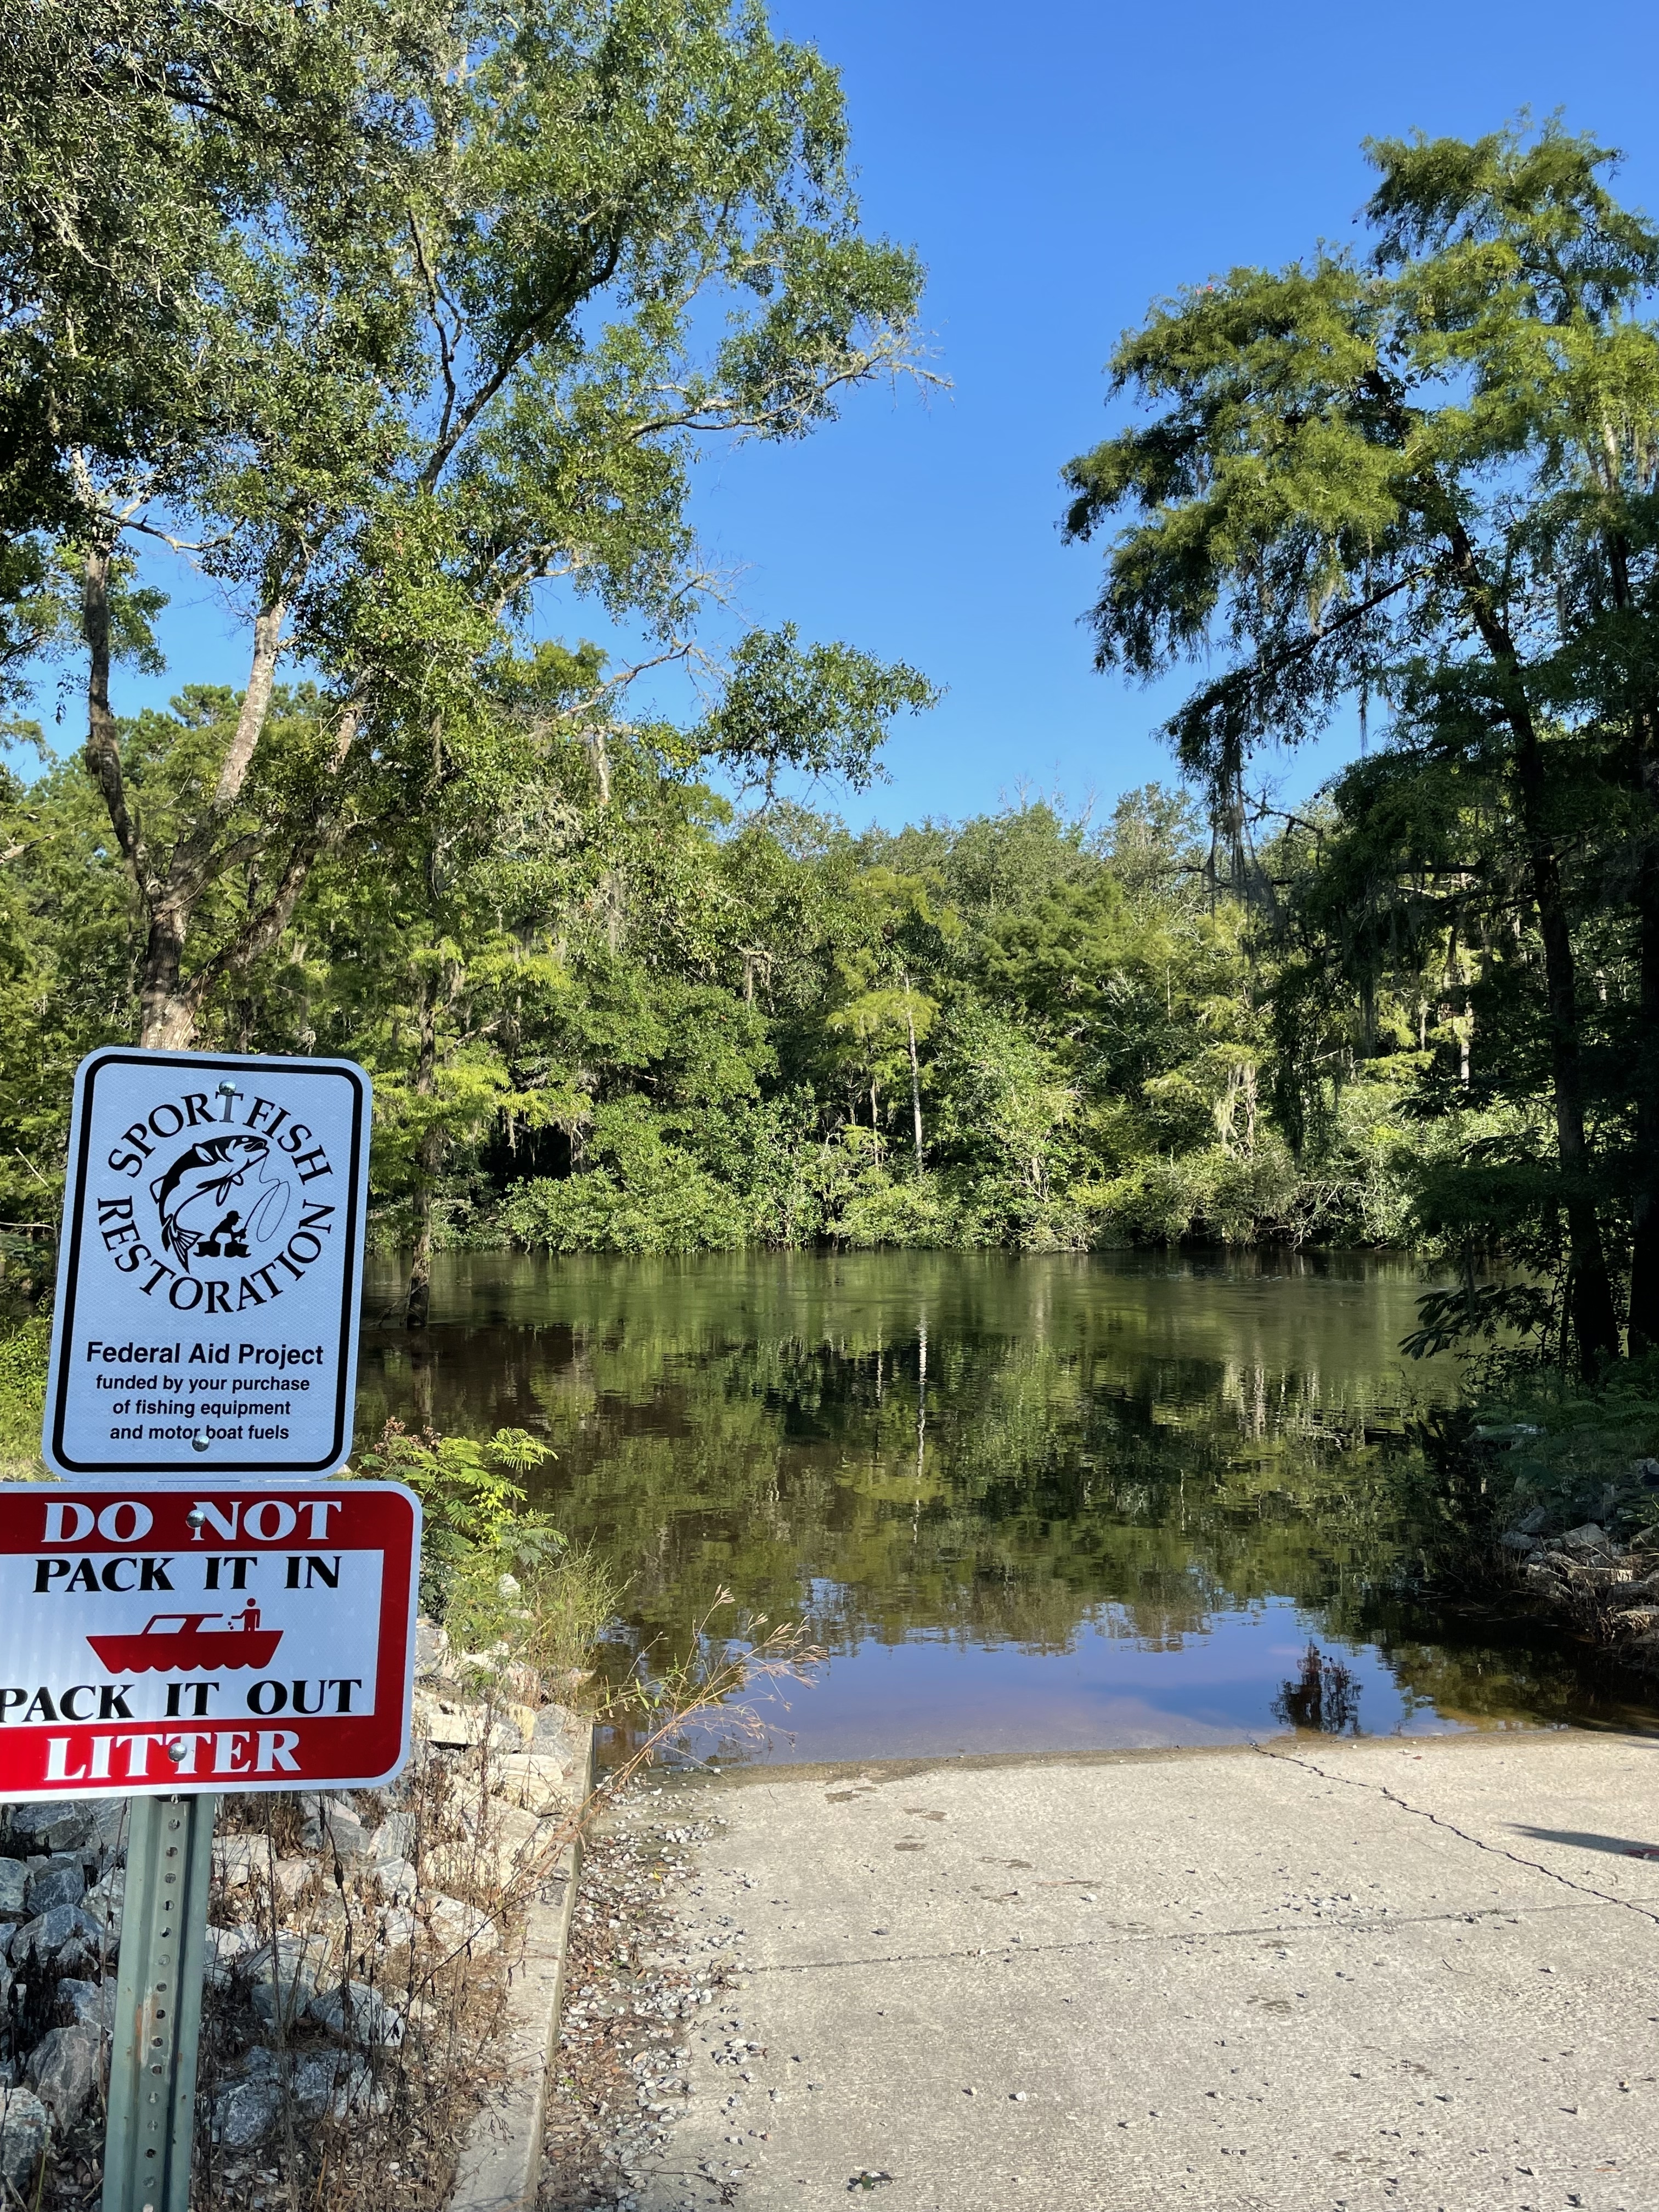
[
  {"x": 166, "y": 1012},
  {"x": 916, "y": 1074},
  {"x": 1645, "y": 1210},
  {"x": 168, "y": 896},
  {"x": 167, "y": 1018},
  {"x": 428, "y": 1157},
  {"x": 419, "y": 1309},
  {"x": 1595, "y": 1321},
  {"x": 1643, "y": 1316},
  {"x": 103, "y": 747}
]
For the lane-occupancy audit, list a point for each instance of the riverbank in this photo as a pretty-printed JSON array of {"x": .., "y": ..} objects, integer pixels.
[
  {"x": 1608, "y": 1590},
  {"x": 1304, "y": 1977},
  {"x": 1568, "y": 1479}
]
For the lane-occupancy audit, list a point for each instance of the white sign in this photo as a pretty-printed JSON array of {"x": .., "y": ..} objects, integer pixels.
[{"x": 210, "y": 1267}]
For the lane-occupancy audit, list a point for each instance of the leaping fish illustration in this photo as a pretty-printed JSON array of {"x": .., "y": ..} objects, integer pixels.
[{"x": 191, "y": 1196}]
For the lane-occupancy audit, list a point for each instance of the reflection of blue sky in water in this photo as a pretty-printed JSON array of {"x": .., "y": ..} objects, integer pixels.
[{"x": 926, "y": 1697}]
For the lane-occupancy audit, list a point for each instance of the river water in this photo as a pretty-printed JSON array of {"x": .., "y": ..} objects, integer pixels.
[{"x": 1025, "y": 1503}]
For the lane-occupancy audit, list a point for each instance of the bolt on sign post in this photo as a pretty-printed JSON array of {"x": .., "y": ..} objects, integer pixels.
[{"x": 180, "y": 1616}]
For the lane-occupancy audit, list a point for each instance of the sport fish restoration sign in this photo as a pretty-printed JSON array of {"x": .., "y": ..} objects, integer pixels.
[
  {"x": 205, "y": 1639},
  {"x": 211, "y": 1266}
]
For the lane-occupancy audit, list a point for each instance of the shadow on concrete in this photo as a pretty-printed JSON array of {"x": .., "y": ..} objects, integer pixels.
[{"x": 1621, "y": 1846}]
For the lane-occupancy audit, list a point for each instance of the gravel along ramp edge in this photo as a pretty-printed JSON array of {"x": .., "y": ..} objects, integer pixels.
[
  {"x": 500, "y": 2164},
  {"x": 654, "y": 2023}
]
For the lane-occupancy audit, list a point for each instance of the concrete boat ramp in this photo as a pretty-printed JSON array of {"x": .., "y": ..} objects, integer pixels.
[{"x": 1306, "y": 1977}]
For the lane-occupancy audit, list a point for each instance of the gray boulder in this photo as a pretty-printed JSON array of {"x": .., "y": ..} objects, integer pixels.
[
  {"x": 60, "y": 1879},
  {"x": 397, "y": 1880},
  {"x": 108, "y": 1816},
  {"x": 104, "y": 1899},
  {"x": 333, "y": 1828},
  {"x": 85, "y": 2004},
  {"x": 246, "y": 2112},
  {"x": 289, "y": 1957},
  {"x": 62, "y": 2069},
  {"x": 346, "y": 1839},
  {"x": 56, "y": 1824},
  {"x": 237, "y": 1859},
  {"x": 269, "y": 2005},
  {"x": 283, "y": 1978},
  {"x": 14, "y": 1888},
  {"x": 1589, "y": 1536},
  {"x": 557, "y": 1724},
  {"x": 341, "y": 2083},
  {"x": 70, "y": 1938},
  {"x": 228, "y": 1951},
  {"x": 318, "y": 2080},
  {"x": 356, "y": 2014},
  {"x": 394, "y": 1838},
  {"x": 24, "y": 2123},
  {"x": 314, "y": 2081},
  {"x": 361, "y": 2093}
]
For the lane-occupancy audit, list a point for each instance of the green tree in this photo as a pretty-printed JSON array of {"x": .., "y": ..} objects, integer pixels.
[
  {"x": 1376, "y": 477},
  {"x": 885, "y": 1011},
  {"x": 466, "y": 358}
]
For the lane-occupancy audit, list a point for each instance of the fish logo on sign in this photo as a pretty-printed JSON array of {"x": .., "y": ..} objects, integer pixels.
[{"x": 193, "y": 1199}]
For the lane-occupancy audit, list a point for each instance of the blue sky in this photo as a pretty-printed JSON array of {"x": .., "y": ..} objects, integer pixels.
[{"x": 1058, "y": 167}]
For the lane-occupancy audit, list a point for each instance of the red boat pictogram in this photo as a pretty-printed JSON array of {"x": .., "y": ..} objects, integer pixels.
[{"x": 171, "y": 1640}]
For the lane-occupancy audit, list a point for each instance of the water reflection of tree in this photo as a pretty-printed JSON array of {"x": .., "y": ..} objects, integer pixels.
[
  {"x": 1083, "y": 1451},
  {"x": 1323, "y": 1697}
]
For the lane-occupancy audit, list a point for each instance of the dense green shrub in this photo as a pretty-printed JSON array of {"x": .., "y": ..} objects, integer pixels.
[
  {"x": 495, "y": 1571},
  {"x": 23, "y": 1356}
]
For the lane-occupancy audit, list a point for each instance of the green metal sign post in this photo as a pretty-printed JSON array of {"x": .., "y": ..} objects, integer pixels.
[{"x": 158, "y": 2006}]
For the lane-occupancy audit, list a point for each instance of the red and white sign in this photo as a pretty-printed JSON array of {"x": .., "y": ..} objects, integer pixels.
[{"x": 205, "y": 1639}]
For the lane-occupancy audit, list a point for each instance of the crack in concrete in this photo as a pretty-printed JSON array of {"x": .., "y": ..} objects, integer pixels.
[
  {"x": 1004, "y": 1953},
  {"x": 1494, "y": 1851}
]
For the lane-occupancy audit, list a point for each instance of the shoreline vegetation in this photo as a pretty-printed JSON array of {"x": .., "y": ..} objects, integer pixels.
[
  {"x": 1021, "y": 1031},
  {"x": 1024, "y": 1031}
]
